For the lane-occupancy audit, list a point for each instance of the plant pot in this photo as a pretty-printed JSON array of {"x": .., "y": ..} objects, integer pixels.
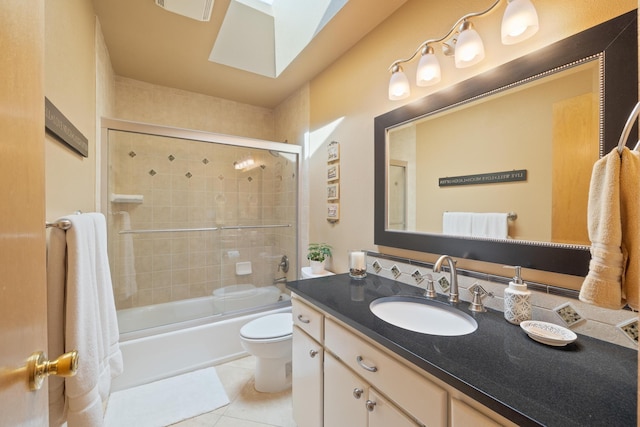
[{"x": 317, "y": 267}]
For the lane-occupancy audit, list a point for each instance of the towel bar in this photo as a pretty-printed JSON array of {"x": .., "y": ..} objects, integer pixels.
[{"x": 63, "y": 224}]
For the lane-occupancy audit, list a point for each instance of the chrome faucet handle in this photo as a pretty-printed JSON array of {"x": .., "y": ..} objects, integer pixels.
[
  {"x": 430, "y": 291},
  {"x": 476, "y": 303}
]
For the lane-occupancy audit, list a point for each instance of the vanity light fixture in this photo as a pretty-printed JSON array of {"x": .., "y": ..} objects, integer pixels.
[
  {"x": 399, "y": 84},
  {"x": 519, "y": 22},
  {"x": 469, "y": 49},
  {"x": 428, "y": 72}
]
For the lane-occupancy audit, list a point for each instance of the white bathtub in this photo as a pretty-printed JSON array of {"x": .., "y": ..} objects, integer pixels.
[{"x": 198, "y": 336}]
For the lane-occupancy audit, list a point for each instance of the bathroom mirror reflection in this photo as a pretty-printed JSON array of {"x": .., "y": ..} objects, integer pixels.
[
  {"x": 548, "y": 127},
  {"x": 443, "y": 130}
]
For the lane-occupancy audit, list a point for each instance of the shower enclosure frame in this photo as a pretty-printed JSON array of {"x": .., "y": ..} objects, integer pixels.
[{"x": 108, "y": 124}]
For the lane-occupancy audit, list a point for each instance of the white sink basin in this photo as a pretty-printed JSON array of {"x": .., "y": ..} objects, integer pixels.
[{"x": 423, "y": 315}]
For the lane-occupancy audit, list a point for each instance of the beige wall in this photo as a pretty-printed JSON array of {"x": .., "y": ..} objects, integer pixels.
[
  {"x": 149, "y": 103},
  {"x": 70, "y": 75},
  {"x": 348, "y": 95}
]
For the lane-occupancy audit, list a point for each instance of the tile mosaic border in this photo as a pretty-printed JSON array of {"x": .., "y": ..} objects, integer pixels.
[{"x": 549, "y": 303}]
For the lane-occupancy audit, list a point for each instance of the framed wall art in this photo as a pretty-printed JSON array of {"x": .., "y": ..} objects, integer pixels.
[
  {"x": 333, "y": 191},
  {"x": 333, "y": 151},
  {"x": 333, "y": 172},
  {"x": 333, "y": 211}
]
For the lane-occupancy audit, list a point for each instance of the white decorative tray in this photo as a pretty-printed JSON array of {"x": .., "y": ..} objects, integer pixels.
[{"x": 548, "y": 333}]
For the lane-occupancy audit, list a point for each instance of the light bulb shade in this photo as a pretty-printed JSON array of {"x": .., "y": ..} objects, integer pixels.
[
  {"x": 398, "y": 85},
  {"x": 519, "y": 22},
  {"x": 428, "y": 72},
  {"x": 469, "y": 47}
]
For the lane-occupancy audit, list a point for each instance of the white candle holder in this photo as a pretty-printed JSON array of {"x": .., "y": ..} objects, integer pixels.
[{"x": 357, "y": 264}]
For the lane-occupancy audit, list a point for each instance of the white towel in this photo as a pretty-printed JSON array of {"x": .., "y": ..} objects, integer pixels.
[
  {"x": 82, "y": 301},
  {"x": 603, "y": 284},
  {"x": 456, "y": 223},
  {"x": 490, "y": 225}
]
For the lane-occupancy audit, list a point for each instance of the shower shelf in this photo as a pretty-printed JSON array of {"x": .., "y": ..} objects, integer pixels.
[{"x": 185, "y": 230}]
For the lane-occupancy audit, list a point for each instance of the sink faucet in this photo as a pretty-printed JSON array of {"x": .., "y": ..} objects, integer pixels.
[{"x": 453, "y": 291}]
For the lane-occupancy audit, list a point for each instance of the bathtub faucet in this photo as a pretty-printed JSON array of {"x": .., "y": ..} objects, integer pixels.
[{"x": 282, "y": 279}]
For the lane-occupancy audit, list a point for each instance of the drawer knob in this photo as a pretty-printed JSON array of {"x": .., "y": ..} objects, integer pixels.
[
  {"x": 357, "y": 392},
  {"x": 365, "y": 366},
  {"x": 313, "y": 353},
  {"x": 370, "y": 405},
  {"x": 302, "y": 319}
]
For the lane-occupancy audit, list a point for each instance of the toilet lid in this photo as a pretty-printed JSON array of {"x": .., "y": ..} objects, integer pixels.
[{"x": 271, "y": 326}]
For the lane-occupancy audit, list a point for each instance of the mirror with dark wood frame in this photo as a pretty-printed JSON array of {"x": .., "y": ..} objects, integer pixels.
[{"x": 613, "y": 44}]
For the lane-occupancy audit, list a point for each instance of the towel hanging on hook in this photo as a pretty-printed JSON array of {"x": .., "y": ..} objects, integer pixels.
[{"x": 627, "y": 129}]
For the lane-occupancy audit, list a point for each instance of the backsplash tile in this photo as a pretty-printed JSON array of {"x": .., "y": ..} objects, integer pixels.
[
  {"x": 630, "y": 329},
  {"x": 549, "y": 304},
  {"x": 568, "y": 314}
]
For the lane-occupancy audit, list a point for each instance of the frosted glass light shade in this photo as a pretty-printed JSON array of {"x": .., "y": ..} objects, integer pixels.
[
  {"x": 519, "y": 22},
  {"x": 398, "y": 85},
  {"x": 469, "y": 47},
  {"x": 428, "y": 72}
]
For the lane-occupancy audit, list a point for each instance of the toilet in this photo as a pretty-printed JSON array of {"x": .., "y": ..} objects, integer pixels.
[{"x": 269, "y": 339}]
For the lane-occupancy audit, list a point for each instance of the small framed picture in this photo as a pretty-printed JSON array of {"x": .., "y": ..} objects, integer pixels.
[
  {"x": 333, "y": 172},
  {"x": 333, "y": 211},
  {"x": 333, "y": 191},
  {"x": 333, "y": 151}
]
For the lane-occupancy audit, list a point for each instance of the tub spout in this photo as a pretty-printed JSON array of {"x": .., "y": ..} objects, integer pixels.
[{"x": 282, "y": 279}]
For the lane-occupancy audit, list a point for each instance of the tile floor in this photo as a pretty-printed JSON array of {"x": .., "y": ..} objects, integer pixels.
[{"x": 247, "y": 407}]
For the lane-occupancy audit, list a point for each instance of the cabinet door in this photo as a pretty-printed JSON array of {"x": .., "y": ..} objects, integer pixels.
[
  {"x": 383, "y": 414},
  {"x": 344, "y": 396},
  {"x": 463, "y": 415},
  {"x": 307, "y": 380}
]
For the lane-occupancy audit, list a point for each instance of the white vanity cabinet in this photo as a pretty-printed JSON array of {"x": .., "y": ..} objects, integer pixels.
[
  {"x": 412, "y": 393},
  {"x": 352, "y": 402},
  {"x": 351, "y": 381},
  {"x": 307, "y": 357}
]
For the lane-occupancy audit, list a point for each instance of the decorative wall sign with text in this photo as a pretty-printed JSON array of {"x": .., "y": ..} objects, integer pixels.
[
  {"x": 56, "y": 123},
  {"x": 484, "y": 178}
]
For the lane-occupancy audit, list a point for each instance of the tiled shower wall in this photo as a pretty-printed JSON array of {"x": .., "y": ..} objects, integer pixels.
[{"x": 190, "y": 184}]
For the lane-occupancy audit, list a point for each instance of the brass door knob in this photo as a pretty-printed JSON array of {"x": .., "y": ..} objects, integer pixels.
[{"x": 38, "y": 367}]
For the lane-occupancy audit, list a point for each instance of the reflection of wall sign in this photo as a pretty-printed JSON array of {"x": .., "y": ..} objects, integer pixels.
[
  {"x": 484, "y": 178},
  {"x": 56, "y": 123}
]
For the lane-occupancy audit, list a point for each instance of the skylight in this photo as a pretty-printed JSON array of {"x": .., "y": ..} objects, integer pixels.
[{"x": 265, "y": 36}]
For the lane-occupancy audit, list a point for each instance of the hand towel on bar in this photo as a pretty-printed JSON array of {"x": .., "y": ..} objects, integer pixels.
[
  {"x": 88, "y": 316},
  {"x": 490, "y": 225},
  {"x": 456, "y": 223},
  {"x": 56, "y": 274},
  {"x": 603, "y": 284},
  {"x": 630, "y": 221}
]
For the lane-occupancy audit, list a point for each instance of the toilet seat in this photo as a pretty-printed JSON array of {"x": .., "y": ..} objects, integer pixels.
[{"x": 268, "y": 328}]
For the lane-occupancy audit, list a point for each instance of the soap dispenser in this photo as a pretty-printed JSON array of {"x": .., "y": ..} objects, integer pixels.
[{"x": 517, "y": 300}]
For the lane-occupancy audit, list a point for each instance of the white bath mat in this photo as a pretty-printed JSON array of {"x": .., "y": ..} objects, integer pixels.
[{"x": 166, "y": 401}]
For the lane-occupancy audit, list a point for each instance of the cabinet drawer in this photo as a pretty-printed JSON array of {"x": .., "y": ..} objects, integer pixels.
[
  {"x": 307, "y": 319},
  {"x": 409, "y": 390}
]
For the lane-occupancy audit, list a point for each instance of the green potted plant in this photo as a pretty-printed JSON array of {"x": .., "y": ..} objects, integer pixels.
[{"x": 317, "y": 254}]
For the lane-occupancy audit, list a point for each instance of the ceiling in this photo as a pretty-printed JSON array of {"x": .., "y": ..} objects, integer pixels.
[{"x": 150, "y": 44}]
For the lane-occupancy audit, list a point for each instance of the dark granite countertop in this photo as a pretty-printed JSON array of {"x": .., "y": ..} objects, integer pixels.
[{"x": 586, "y": 383}]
